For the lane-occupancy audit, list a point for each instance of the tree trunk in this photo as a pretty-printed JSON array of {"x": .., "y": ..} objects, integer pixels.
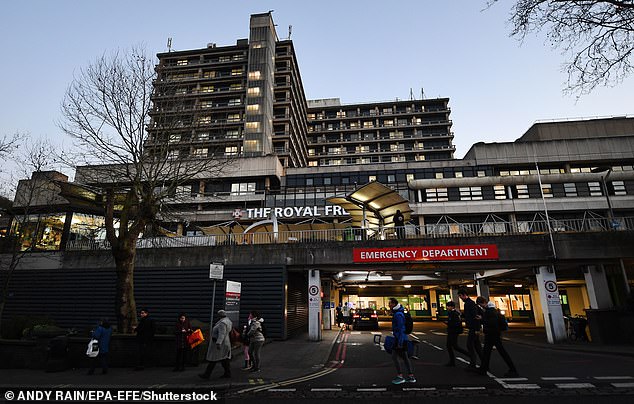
[{"x": 125, "y": 305}]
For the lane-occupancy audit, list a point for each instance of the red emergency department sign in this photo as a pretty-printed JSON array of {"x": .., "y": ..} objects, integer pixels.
[{"x": 440, "y": 253}]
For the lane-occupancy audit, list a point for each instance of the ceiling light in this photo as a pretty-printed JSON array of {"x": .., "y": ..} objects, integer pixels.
[
  {"x": 407, "y": 286},
  {"x": 518, "y": 285},
  {"x": 470, "y": 285},
  {"x": 362, "y": 286}
]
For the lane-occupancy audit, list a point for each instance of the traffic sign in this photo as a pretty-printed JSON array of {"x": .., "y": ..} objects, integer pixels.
[{"x": 216, "y": 270}]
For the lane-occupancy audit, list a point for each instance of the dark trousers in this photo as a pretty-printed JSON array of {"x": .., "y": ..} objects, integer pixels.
[
  {"x": 452, "y": 344},
  {"x": 181, "y": 356},
  {"x": 101, "y": 358},
  {"x": 225, "y": 365},
  {"x": 254, "y": 353},
  {"x": 490, "y": 341},
  {"x": 473, "y": 346},
  {"x": 402, "y": 353},
  {"x": 142, "y": 353}
]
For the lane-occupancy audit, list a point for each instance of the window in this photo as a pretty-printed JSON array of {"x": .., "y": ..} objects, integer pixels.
[
  {"x": 522, "y": 191},
  {"x": 206, "y": 104},
  {"x": 388, "y": 122},
  {"x": 397, "y": 147},
  {"x": 341, "y": 114},
  {"x": 387, "y": 111},
  {"x": 363, "y": 160},
  {"x": 207, "y": 89},
  {"x": 224, "y": 59},
  {"x": 209, "y": 74},
  {"x": 595, "y": 189},
  {"x": 244, "y": 188},
  {"x": 311, "y": 152},
  {"x": 200, "y": 152},
  {"x": 252, "y": 126},
  {"x": 470, "y": 193},
  {"x": 231, "y": 150},
  {"x": 309, "y": 182},
  {"x": 183, "y": 191},
  {"x": 181, "y": 90},
  {"x": 236, "y": 72},
  {"x": 547, "y": 190},
  {"x": 420, "y": 157},
  {"x": 439, "y": 176},
  {"x": 232, "y": 134},
  {"x": 254, "y": 75},
  {"x": 619, "y": 188},
  {"x": 398, "y": 159},
  {"x": 457, "y": 174},
  {"x": 327, "y": 181},
  {"x": 436, "y": 195},
  {"x": 362, "y": 149},
  {"x": 396, "y": 135},
  {"x": 368, "y": 124},
  {"x": 235, "y": 101},
  {"x": 391, "y": 178},
  {"x": 172, "y": 154},
  {"x": 371, "y": 178},
  {"x": 409, "y": 177},
  {"x": 233, "y": 118},
  {"x": 253, "y": 91},
  {"x": 236, "y": 87},
  {"x": 419, "y": 146},
  {"x": 253, "y": 108},
  {"x": 336, "y": 150},
  {"x": 182, "y": 62},
  {"x": 202, "y": 136},
  {"x": 417, "y": 121},
  {"x": 570, "y": 189},
  {"x": 312, "y": 164},
  {"x": 174, "y": 139},
  {"x": 499, "y": 192},
  {"x": 481, "y": 173},
  {"x": 204, "y": 120}
]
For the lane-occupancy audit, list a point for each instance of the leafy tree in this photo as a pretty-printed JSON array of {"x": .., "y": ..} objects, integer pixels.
[
  {"x": 106, "y": 110},
  {"x": 597, "y": 34}
]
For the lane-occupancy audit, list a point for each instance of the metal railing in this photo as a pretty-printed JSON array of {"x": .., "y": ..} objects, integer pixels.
[{"x": 438, "y": 230}]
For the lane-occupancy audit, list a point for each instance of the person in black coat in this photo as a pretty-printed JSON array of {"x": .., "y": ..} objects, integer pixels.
[
  {"x": 493, "y": 338},
  {"x": 145, "y": 331},
  {"x": 182, "y": 330},
  {"x": 472, "y": 320},
  {"x": 454, "y": 328},
  {"x": 399, "y": 224}
]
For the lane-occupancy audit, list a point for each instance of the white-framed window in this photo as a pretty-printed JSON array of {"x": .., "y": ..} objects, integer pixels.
[
  {"x": 409, "y": 177},
  {"x": 439, "y": 176},
  {"x": 547, "y": 190},
  {"x": 234, "y": 102},
  {"x": 233, "y": 118},
  {"x": 253, "y": 108},
  {"x": 499, "y": 191},
  {"x": 595, "y": 189},
  {"x": 570, "y": 189},
  {"x": 436, "y": 195},
  {"x": 391, "y": 178},
  {"x": 243, "y": 188},
  {"x": 522, "y": 191},
  {"x": 232, "y": 134},
  {"x": 470, "y": 193},
  {"x": 231, "y": 150},
  {"x": 311, "y": 152},
  {"x": 174, "y": 138},
  {"x": 398, "y": 159},
  {"x": 619, "y": 188},
  {"x": 202, "y": 136},
  {"x": 371, "y": 178},
  {"x": 253, "y": 91},
  {"x": 481, "y": 173},
  {"x": 183, "y": 191},
  {"x": 255, "y": 75},
  {"x": 252, "y": 126},
  {"x": 201, "y": 152}
]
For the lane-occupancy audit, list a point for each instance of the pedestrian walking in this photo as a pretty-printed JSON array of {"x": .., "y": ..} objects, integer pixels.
[
  {"x": 339, "y": 315},
  {"x": 400, "y": 343},
  {"x": 145, "y": 330},
  {"x": 399, "y": 224},
  {"x": 493, "y": 338},
  {"x": 219, "y": 347},
  {"x": 345, "y": 311},
  {"x": 102, "y": 333},
  {"x": 472, "y": 321},
  {"x": 256, "y": 340},
  {"x": 454, "y": 328},
  {"x": 182, "y": 330}
]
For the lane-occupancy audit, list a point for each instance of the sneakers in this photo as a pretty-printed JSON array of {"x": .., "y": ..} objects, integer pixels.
[
  {"x": 398, "y": 380},
  {"x": 411, "y": 379}
]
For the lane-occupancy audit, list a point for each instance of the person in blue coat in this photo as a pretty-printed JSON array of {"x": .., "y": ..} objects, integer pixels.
[
  {"x": 400, "y": 343},
  {"x": 102, "y": 334}
]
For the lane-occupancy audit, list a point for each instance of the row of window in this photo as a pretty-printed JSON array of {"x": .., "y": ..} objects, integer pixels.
[
  {"x": 520, "y": 191},
  {"x": 207, "y": 59},
  {"x": 372, "y": 124},
  {"x": 374, "y": 112}
]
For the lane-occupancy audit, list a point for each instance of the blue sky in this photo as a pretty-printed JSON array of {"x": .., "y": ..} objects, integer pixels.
[{"x": 355, "y": 50}]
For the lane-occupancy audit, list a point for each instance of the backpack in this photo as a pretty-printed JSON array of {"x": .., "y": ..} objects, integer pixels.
[
  {"x": 409, "y": 322},
  {"x": 503, "y": 323}
]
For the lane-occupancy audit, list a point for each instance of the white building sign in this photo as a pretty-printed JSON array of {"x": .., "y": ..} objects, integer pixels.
[{"x": 297, "y": 211}]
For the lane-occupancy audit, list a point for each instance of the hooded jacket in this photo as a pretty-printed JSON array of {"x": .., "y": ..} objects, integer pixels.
[
  {"x": 255, "y": 330},
  {"x": 398, "y": 326}
]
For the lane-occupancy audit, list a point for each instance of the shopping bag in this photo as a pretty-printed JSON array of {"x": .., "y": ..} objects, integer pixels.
[
  {"x": 93, "y": 348},
  {"x": 196, "y": 338}
]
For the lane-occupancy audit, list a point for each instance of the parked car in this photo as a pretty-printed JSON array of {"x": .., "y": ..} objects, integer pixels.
[{"x": 365, "y": 318}]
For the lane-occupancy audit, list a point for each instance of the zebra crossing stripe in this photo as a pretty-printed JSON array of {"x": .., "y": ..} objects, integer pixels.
[
  {"x": 630, "y": 385},
  {"x": 419, "y": 388},
  {"x": 282, "y": 390},
  {"x": 326, "y": 389},
  {"x": 552, "y": 379},
  {"x": 372, "y": 389},
  {"x": 470, "y": 388},
  {"x": 613, "y": 377},
  {"x": 520, "y": 386},
  {"x": 575, "y": 385}
]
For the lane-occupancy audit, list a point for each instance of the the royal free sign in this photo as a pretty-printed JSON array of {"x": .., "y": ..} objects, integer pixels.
[{"x": 436, "y": 253}]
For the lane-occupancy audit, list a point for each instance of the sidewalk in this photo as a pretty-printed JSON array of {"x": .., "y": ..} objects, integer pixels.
[{"x": 281, "y": 360}]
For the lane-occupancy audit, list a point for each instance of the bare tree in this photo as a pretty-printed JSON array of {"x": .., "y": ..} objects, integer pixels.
[
  {"x": 33, "y": 199},
  {"x": 107, "y": 109},
  {"x": 598, "y": 35}
]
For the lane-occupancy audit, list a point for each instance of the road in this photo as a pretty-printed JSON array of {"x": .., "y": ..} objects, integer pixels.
[{"x": 359, "y": 368}]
